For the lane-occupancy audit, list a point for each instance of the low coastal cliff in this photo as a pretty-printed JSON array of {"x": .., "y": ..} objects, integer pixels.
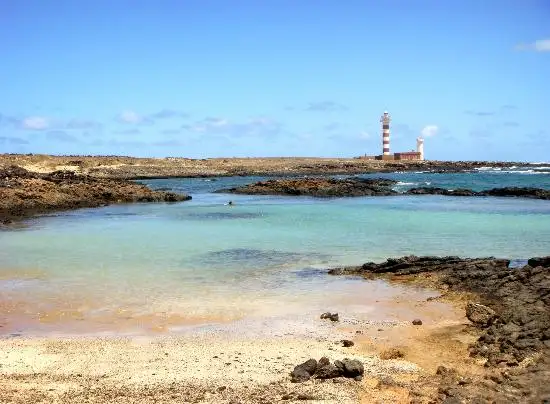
[{"x": 24, "y": 194}]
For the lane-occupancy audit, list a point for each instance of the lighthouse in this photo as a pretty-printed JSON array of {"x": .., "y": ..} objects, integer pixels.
[
  {"x": 385, "y": 119},
  {"x": 420, "y": 147}
]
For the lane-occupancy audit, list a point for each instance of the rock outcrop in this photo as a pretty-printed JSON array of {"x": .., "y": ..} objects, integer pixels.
[
  {"x": 519, "y": 192},
  {"x": 513, "y": 316},
  {"x": 319, "y": 187},
  {"x": 324, "y": 369},
  {"x": 24, "y": 194},
  {"x": 332, "y": 187}
]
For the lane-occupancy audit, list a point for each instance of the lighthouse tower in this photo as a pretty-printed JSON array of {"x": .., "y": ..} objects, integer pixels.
[
  {"x": 420, "y": 147},
  {"x": 385, "y": 119}
]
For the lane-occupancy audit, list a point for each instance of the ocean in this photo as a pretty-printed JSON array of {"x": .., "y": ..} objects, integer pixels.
[{"x": 144, "y": 268}]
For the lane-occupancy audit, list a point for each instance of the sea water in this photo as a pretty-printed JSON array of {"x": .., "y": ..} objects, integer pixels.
[{"x": 135, "y": 267}]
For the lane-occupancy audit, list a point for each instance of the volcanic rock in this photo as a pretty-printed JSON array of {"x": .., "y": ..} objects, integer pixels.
[
  {"x": 24, "y": 193},
  {"x": 319, "y": 187},
  {"x": 304, "y": 371},
  {"x": 480, "y": 314}
]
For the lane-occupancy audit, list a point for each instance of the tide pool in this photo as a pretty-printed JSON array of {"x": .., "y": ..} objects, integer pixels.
[{"x": 202, "y": 261}]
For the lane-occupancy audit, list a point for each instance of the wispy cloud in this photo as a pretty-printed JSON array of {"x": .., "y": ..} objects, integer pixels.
[
  {"x": 61, "y": 136},
  {"x": 82, "y": 124},
  {"x": 129, "y": 131},
  {"x": 253, "y": 127},
  {"x": 35, "y": 123},
  {"x": 332, "y": 126},
  {"x": 480, "y": 133},
  {"x": 325, "y": 106},
  {"x": 167, "y": 113},
  {"x": 168, "y": 143},
  {"x": 13, "y": 140},
  {"x": 479, "y": 113},
  {"x": 429, "y": 130},
  {"x": 132, "y": 117},
  {"x": 170, "y": 131},
  {"x": 540, "y": 45},
  {"x": 508, "y": 107}
]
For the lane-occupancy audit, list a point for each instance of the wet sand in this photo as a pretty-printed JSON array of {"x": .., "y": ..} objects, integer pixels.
[{"x": 245, "y": 361}]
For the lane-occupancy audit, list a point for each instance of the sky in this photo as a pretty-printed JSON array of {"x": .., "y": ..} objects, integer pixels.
[{"x": 237, "y": 78}]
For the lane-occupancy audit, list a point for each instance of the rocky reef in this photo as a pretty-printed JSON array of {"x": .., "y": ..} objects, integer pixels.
[
  {"x": 332, "y": 187},
  {"x": 24, "y": 193},
  {"x": 318, "y": 186},
  {"x": 521, "y": 192},
  {"x": 512, "y": 317}
]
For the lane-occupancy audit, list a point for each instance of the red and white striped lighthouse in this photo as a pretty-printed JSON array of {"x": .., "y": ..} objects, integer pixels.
[{"x": 385, "y": 119}]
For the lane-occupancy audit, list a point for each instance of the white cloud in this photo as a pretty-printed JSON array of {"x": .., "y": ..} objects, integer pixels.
[
  {"x": 541, "y": 45},
  {"x": 429, "y": 130},
  {"x": 252, "y": 127},
  {"x": 130, "y": 117},
  {"x": 35, "y": 123}
]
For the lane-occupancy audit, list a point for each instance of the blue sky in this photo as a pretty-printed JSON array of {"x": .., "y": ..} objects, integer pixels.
[{"x": 208, "y": 78}]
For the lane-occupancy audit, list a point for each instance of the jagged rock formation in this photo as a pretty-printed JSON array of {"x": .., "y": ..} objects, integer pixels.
[{"x": 24, "y": 194}]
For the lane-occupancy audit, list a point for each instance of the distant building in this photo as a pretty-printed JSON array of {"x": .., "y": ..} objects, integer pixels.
[{"x": 385, "y": 119}]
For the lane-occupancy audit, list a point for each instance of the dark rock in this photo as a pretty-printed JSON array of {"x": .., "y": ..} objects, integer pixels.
[
  {"x": 513, "y": 320},
  {"x": 328, "y": 371},
  {"x": 330, "y": 316},
  {"x": 351, "y": 367},
  {"x": 304, "y": 371},
  {"x": 347, "y": 343},
  {"x": 319, "y": 187},
  {"x": 539, "y": 262},
  {"x": 25, "y": 194},
  {"x": 480, "y": 314},
  {"x": 299, "y": 375},
  {"x": 358, "y": 378},
  {"x": 417, "y": 321}
]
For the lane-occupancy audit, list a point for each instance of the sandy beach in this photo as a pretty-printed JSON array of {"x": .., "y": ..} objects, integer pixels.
[{"x": 245, "y": 362}]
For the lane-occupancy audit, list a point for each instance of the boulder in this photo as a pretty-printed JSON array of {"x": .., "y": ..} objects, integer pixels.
[
  {"x": 350, "y": 367},
  {"x": 304, "y": 371},
  {"x": 347, "y": 343},
  {"x": 480, "y": 314},
  {"x": 539, "y": 262}
]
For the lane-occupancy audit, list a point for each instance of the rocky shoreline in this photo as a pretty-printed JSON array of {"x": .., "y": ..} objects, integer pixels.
[
  {"x": 350, "y": 187},
  {"x": 511, "y": 315},
  {"x": 174, "y": 167},
  {"x": 24, "y": 194}
]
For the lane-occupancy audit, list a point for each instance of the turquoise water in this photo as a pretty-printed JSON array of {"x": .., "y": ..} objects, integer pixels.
[{"x": 202, "y": 261}]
